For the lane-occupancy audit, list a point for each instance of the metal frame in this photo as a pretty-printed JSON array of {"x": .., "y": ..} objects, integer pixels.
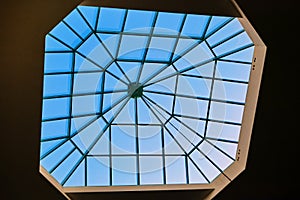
[{"x": 246, "y": 127}]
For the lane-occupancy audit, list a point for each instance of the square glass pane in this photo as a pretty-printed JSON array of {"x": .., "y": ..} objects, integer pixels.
[
  {"x": 124, "y": 170},
  {"x": 98, "y": 171},
  {"x": 55, "y": 85},
  {"x": 151, "y": 170},
  {"x": 139, "y": 21},
  {"x": 111, "y": 19},
  {"x": 58, "y": 62},
  {"x": 176, "y": 170},
  {"x": 56, "y": 108}
]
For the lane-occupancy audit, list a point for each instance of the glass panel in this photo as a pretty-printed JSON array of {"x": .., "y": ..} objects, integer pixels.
[
  {"x": 184, "y": 136},
  {"x": 237, "y": 42},
  {"x": 145, "y": 114},
  {"x": 131, "y": 69},
  {"x": 78, "y": 177},
  {"x": 195, "y": 176},
  {"x": 195, "y": 25},
  {"x": 98, "y": 171},
  {"x": 85, "y": 65},
  {"x": 80, "y": 122},
  {"x": 151, "y": 170},
  {"x": 165, "y": 86},
  {"x": 54, "y": 45},
  {"x": 149, "y": 69},
  {"x": 233, "y": 71},
  {"x": 57, "y": 85},
  {"x": 132, "y": 47},
  {"x": 168, "y": 23},
  {"x": 183, "y": 46},
  {"x": 139, "y": 21},
  {"x": 228, "y": 148},
  {"x": 53, "y": 108},
  {"x": 164, "y": 101},
  {"x": 77, "y": 23},
  {"x": 111, "y": 19},
  {"x": 102, "y": 147},
  {"x": 87, "y": 83},
  {"x": 223, "y": 131},
  {"x": 123, "y": 140},
  {"x": 89, "y": 104},
  {"x": 175, "y": 170},
  {"x": 229, "y": 91},
  {"x": 196, "y": 87},
  {"x": 216, "y": 23},
  {"x": 111, "y": 42},
  {"x": 124, "y": 171},
  {"x": 196, "y": 125},
  {"x": 205, "y": 70},
  {"x": 216, "y": 156},
  {"x": 58, "y": 62},
  {"x": 226, "y": 112},
  {"x": 47, "y": 146},
  {"x": 245, "y": 55},
  {"x": 150, "y": 140},
  {"x": 90, "y": 14},
  {"x": 64, "y": 169},
  {"x": 191, "y": 107},
  {"x": 56, "y": 156},
  {"x": 210, "y": 171},
  {"x": 171, "y": 146},
  {"x": 54, "y": 129},
  {"x": 86, "y": 137},
  {"x": 196, "y": 57},
  {"x": 160, "y": 49},
  {"x": 63, "y": 33},
  {"x": 127, "y": 114},
  {"x": 227, "y": 31}
]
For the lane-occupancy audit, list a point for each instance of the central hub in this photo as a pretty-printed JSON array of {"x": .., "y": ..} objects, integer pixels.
[{"x": 135, "y": 90}]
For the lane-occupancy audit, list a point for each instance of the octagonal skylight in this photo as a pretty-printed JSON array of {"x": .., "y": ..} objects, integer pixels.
[{"x": 137, "y": 98}]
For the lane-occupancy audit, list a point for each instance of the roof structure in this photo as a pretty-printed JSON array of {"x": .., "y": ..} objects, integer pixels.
[{"x": 148, "y": 100}]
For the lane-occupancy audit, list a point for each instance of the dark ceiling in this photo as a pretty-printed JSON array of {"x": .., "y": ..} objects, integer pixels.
[{"x": 271, "y": 169}]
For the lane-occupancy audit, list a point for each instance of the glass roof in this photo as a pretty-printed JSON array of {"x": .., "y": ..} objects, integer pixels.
[{"x": 142, "y": 98}]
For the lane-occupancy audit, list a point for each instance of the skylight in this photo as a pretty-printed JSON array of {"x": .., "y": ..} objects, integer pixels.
[{"x": 135, "y": 97}]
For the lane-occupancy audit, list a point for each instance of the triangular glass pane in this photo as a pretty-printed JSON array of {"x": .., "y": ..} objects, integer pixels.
[
  {"x": 102, "y": 146},
  {"x": 227, "y": 147},
  {"x": 114, "y": 69},
  {"x": 112, "y": 83},
  {"x": 194, "y": 25},
  {"x": 203, "y": 70},
  {"x": 49, "y": 145},
  {"x": 216, "y": 23},
  {"x": 145, "y": 115},
  {"x": 77, "y": 179},
  {"x": 149, "y": 69},
  {"x": 183, "y": 45},
  {"x": 54, "y": 45},
  {"x": 111, "y": 41},
  {"x": 166, "y": 86},
  {"x": 245, "y": 55},
  {"x": 79, "y": 122},
  {"x": 82, "y": 64},
  {"x": 168, "y": 71},
  {"x": 85, "y": 138},
  {"x": 171, "y": 146},
  {"x": 90, "y": 14},
  {"x": 195, "y": 175},
  {"x": 131, "y": 69},
  {"x": 127, "y": 114},
  {"x": 164, "y": 101},
  {"x": 75, "y": 20}
]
